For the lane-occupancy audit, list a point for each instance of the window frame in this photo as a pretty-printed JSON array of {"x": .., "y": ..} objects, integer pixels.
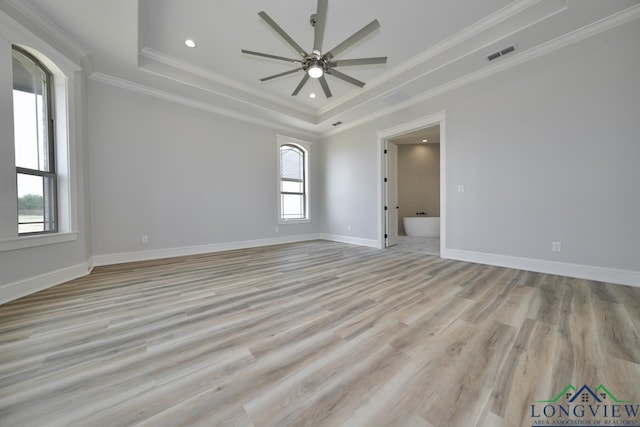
[
  {"x": 305, "y": 149},
  {"x": 69, "y": 95},
  {"x": 52, "y": 211}
]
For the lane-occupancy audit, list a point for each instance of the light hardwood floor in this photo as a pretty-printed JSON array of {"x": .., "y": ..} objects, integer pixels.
[{"x": 315, "y": 333}]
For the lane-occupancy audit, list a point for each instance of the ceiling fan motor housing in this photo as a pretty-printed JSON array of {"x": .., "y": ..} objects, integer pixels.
[
  {"x": 315, "y": 59},
  {"x": 315, "y": 64}
]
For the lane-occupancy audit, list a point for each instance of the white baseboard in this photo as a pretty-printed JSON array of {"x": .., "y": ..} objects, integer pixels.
[
  {"x": 125, "y": 257},
  {"x": 32, "y": 285},
  {"x": 580, "y": 271},
  {"x": 35, "y": 284},
  {"x": 351, "y": 240}
]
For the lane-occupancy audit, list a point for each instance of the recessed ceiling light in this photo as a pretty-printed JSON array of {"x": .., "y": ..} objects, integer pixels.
[
  {"x": 424, "y": 140},
  {"x": 312, "y": 95},
  {"x": 190, "y": 43}
]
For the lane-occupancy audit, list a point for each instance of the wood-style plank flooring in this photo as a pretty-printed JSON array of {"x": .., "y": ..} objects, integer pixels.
[{"x": 311, "y": 334}]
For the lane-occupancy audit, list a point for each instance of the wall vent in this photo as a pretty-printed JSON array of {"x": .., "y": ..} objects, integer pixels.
[{"x": 502, "y": 52}]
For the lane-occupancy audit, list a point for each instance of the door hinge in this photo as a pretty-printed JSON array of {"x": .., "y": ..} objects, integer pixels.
[
  {"x": 385, "y": 208},
  {"x": 385, "y": 180},
  {"x": 385, "y": 151},
  {"x": 386, "y": 236}
]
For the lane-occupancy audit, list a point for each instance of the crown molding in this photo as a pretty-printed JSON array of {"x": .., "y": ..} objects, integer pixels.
[
  {"x": 565, "y": 40},
  {"x": 439, "y": 48},
  {"x": 465, "y": 52},
  {"x": 154, "y": 55},
  {"x": 16, "y": 31},
  {"x": 442, "y": 47},
  {"x": 582, "y": 33},
  {"x": 190, "y": 102},
  {"x": 48, "y": 26}
]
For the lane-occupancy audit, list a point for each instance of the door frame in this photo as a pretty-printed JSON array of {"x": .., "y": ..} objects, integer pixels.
[
  {"x": 390, "y": 207},
  {"x": 401, "y": 129}
]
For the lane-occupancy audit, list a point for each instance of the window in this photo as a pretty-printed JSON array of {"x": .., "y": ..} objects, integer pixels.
[
  {"x": 34, "y": 145},
  {"x": 293, "y": 180}
]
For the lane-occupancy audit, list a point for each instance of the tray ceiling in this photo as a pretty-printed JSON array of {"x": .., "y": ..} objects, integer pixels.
[{"x": 429, "y": 44}]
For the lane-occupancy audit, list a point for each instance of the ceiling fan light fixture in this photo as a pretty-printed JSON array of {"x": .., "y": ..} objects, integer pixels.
[
  {"x": 316, "y": 64},
  {"x": 315, "y": 71}
]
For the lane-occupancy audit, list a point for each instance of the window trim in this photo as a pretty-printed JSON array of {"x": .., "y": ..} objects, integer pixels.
[
  {"x": 69, "y": 86},
  {"x": 51, "y": 147},
  {"x": 34, "y": 240},
  {"x": 305, "y": 147},
  {"x": 303, "y": 193}
]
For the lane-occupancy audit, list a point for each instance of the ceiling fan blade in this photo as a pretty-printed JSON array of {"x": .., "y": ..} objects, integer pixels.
[
  {"x": 355, "y": 38},
  {"x": 282, "y": 33},
  {"x": 301, "y": 84},
  {"x": 325, "y": 87},
  {"x": 345, "y": 77},
  {"x": 321, "y": 19},
  {"x": 264, "y": 79},
  {"x": 359, "y": 61},
  {"x": 267, "y": 55}
]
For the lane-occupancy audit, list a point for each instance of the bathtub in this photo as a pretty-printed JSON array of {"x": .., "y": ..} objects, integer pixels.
[{"x": 421, "y": 226}]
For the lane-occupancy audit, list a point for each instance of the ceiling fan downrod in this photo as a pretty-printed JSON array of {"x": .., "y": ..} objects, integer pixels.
[{"x": 316, "y": 65}]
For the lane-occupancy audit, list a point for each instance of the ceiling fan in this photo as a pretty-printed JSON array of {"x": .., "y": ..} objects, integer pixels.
[{"x": 316, "y": 64}]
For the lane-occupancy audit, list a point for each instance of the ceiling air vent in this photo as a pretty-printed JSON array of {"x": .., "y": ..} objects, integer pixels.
[
  {"x": 395, "y": 98},
  {"x": 500, "y": 53}
]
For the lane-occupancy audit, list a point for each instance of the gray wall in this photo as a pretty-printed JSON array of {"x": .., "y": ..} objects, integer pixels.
[
  {"x": 547, "y": 150},
  {"x": 418, "y": 180},
  {"x": 181, "y": 176},
  {"x": 350, "y": 164}
]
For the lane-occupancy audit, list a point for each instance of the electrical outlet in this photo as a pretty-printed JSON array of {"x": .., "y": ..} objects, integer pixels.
[
  {"x": 277, "y": 229},
  {"x": 348, "y": 228},
  {"x": 145, "y": 239},
  {"x": 556, "y": 246},
  {"x": 460, "y": 188}
]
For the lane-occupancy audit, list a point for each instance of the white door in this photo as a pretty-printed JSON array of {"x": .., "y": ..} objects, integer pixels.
[{"x": 392, "y": 195}]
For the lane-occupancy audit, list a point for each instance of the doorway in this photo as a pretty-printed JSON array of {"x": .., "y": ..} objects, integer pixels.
[{"x": 391, "y": 213}]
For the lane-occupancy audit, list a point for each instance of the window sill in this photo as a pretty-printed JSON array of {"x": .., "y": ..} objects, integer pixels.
[
  {"x": 294, "y": 221},
  {"x": 39, "y": 240}
]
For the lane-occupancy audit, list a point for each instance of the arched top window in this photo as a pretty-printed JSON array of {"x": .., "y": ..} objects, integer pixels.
[
  {"x": 292, "y": 163},
  {"x": 293, "y": 177},
  {"x": 34, "y": 144}
]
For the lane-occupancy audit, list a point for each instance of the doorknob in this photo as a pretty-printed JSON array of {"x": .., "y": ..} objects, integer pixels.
[{"x": 397, "y": 207}]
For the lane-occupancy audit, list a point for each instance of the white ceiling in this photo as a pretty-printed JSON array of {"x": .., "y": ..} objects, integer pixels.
[
  {"x": 222, "y": 29},
  {"x": 429, "y": 44}
]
